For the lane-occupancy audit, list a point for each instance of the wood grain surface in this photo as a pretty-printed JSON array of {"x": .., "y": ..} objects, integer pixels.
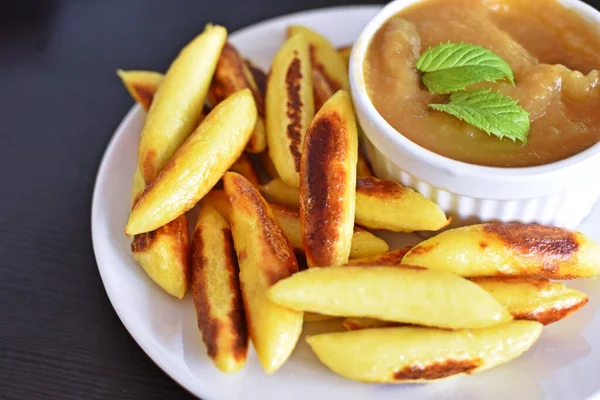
[{"x": 60, "y": 102}]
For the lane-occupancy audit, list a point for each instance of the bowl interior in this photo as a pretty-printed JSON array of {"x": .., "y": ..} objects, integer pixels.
[{"x": 390, "y": 142}]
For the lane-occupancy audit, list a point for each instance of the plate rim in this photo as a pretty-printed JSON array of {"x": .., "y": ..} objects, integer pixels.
[{"x": 174, "y": 371}]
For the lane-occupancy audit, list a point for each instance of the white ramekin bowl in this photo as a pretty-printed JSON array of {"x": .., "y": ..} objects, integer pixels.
[{"x": 562, "y": 193}]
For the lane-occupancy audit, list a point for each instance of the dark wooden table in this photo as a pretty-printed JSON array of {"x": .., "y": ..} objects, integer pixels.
[{"x": 60, "y": 102}]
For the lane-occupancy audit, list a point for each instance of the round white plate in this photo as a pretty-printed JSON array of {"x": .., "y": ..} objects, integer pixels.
[{"x": 564, "y": 364}]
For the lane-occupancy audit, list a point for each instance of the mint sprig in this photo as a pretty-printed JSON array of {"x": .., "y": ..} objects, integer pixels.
[
  {"x": 450, "y": 67},
  {"x": 489, "y": 111}
]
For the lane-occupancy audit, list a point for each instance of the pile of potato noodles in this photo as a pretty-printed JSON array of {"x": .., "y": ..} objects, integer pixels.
[{"x": 463, "y": 301}]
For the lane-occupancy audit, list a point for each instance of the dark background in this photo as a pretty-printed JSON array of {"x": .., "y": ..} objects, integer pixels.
[{"x": 60, "y": 102}]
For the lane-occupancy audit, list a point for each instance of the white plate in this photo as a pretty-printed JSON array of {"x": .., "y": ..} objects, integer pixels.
[{"x": 564, "y": 364}]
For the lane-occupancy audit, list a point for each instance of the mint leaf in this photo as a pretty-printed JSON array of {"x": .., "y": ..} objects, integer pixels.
[
  {"x": 450, "y": 67},
  {"x": 489, "y": 111},
  {"x": 454, "y": 79}
]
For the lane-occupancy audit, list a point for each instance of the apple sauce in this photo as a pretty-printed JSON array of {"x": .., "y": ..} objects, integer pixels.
[{"x": 553, "y": 52}]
